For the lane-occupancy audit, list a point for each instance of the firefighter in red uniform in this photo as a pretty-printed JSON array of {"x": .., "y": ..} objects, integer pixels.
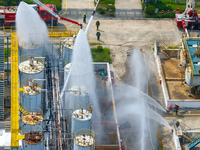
[{"x": 176, "y": 108}]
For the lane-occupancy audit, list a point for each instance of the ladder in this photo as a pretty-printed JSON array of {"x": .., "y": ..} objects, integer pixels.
[
  {"x": 194, "y": 143},
  {"x": 23, "y": 111},
  {"x": 1, "y": 78}
]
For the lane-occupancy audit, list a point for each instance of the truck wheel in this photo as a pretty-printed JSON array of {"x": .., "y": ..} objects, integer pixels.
[
  {"x": 191, "y": 26},
  {"x": 198, "y": 26}
]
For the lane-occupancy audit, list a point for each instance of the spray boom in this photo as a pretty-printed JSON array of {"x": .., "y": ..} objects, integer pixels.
[{"x": 90, "y": 21}]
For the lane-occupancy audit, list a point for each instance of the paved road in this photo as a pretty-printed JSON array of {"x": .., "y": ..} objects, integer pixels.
[{"x": 76, "y": 8}]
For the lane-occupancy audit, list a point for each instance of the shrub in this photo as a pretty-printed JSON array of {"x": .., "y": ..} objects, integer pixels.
[
  {"x": 150, "y": 10},
  {"x": 101, "y": 11},
  {"x": 99, "y": 48},
  {"x": 100, "y": 54}
]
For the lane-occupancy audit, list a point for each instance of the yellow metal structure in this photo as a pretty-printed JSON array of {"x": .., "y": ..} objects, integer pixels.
[
  {"x": 54, "y": 31},
  {"x": 23, "y": 111},
  {"x": 15, "y": 137}
]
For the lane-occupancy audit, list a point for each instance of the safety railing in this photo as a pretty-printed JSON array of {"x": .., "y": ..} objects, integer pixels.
[
  {"x": 194, "y": 136},
  {"x": 36, "y": 57},
  {"x": 81, "y": 105},
  {"x": 84, "y": 138},
  {"x": 35, "y": 44},
  {"x": 31, "y": 109},
  {"x": 67, "y": 60},
  {"x": 33, "y": 134},
  {"x": 25, "y": 82}
]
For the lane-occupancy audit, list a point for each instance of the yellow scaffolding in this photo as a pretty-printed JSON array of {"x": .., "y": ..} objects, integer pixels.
[
  {"x": 15, "y": 137},
  {"x": 55, "y": 31}
]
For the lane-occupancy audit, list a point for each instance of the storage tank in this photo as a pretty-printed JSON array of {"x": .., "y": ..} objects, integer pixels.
[
  {"x": 74, "y": 95},
  {"x": 31, "y": 66},
  {"x": 188, "y": 75},
  {"x": 33, "y": 137},
  {"x": 81, "y": 115},
  {"x": 67, "y": 48},
  {"x": 32, "y": 100},
  {"x": 37, "y": 46},
  {"x": 31, "y": 86},
  {"x": 84, "y": 139},
  {"x": 66, "y": 70}
]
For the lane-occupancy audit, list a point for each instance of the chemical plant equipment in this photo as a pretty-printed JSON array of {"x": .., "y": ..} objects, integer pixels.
[
  {"x": 189, "y": 18},
  {"x": 84, "y": 139},
  {"x": 81, "y": 115},
  {"x": 31, "y": 77},
  {"x": 190, "y": 60},
  {"x": 33, "y": 135}
]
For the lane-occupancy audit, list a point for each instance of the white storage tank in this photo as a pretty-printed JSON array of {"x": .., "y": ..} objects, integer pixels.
[{"x": 188, "y": 75}]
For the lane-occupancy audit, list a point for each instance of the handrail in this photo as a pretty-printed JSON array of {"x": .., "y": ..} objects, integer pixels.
[
  {"x": 25, "y": 82},
  {"x": 85, "y": 131},
  {"x": 83, "y": 105},
  {"x": 25, "y": 57},
  {"x": 32, "y": 128},
  {"x": 31, "y": 109}
]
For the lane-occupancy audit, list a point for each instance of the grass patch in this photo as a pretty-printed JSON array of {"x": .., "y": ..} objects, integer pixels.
[
  {"x": 173, "y": 47},
  {"x": 93, "y": 44},
  {"x": 5, "y": 53},
  {"x": 106, "y": 7},
  {"x": 58, "y": 3},
  {"x": 166, "y": 5},
  {"x": 100, "y": 54}
]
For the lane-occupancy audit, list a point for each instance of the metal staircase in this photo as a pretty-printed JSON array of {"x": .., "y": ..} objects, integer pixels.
[
  {"x": 1, "y": 78},
  {"x": 194, "y": 143},
  {"x": 23, "y": 111}
]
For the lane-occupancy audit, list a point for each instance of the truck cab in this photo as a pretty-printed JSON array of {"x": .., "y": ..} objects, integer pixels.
[{"x": 46, "y": 16}]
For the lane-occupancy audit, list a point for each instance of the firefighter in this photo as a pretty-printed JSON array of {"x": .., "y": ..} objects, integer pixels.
[
  {"x": 177, "y": 123},
  {"x": 97, "y": 24},
  {"x": 176, "y": 108},
  {"x": 98, "y": 34},
  {"x": 84, "y": 18}
]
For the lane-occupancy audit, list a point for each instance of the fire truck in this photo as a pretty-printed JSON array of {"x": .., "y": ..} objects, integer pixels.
[
  {"x": 7, "y": 15},
  {"x": 189, "y": 18}
]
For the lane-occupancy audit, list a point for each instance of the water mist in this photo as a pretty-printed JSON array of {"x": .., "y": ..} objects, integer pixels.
[{"x": 136, "y": 106}]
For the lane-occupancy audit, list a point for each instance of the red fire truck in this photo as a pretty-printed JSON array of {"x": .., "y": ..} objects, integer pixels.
[
  {"x": 7, "y": 15},
  {"x": 189, "y": 18}
]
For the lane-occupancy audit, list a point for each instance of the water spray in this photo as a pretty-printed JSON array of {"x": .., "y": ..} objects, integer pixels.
[{"x": 91, "y": 18}]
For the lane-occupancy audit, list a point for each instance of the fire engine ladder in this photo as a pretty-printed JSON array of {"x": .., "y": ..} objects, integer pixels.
[
  {"x": 15, "y": 137},
  {"x": 194, "y": 143},
  {"x": 1, "y": 78}
]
